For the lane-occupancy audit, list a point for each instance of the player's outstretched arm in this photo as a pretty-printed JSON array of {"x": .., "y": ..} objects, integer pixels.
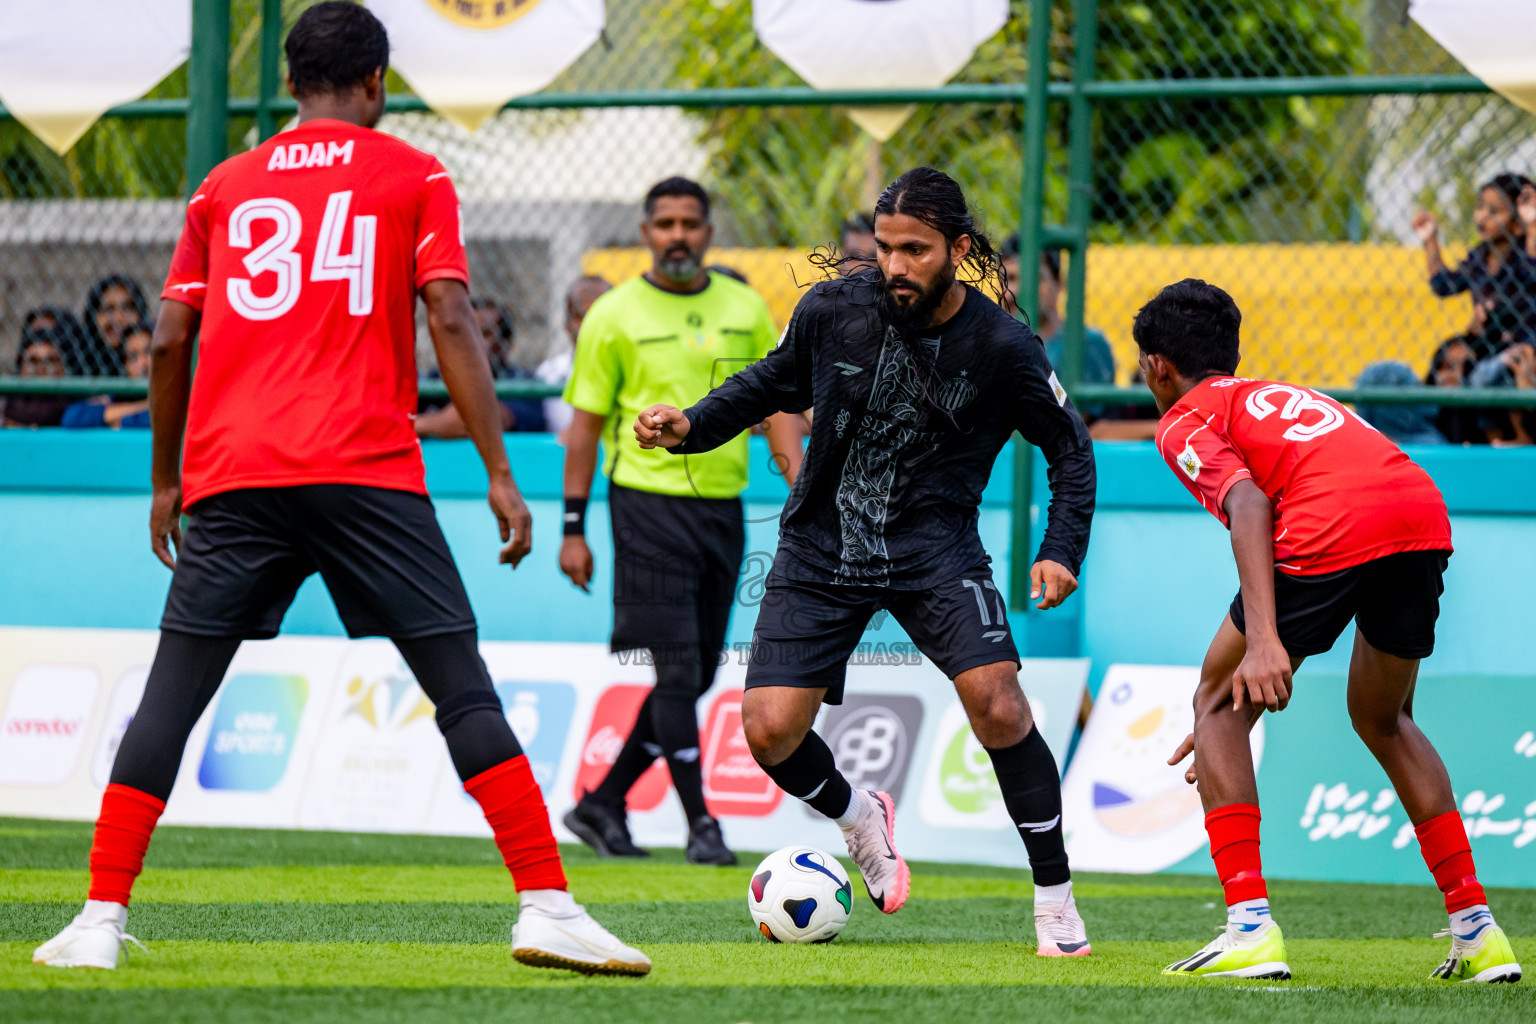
[
  {"x": 467, "y": 374},
  {"x": 661, "y": 426},
  {"x": 170, "y": 388},
  {"x": 1264, "y": 676}
]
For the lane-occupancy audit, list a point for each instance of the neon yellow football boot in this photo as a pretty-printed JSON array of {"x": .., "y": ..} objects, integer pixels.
[
  {"x": 1238, "y": 952},
  {"x": 1484, "y": 955}
]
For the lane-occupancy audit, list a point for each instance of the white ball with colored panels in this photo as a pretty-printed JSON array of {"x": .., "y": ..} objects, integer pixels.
[{"x": 800, "y": 894}]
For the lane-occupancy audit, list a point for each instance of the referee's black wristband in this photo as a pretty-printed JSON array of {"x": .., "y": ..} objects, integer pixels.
[{"x": 575, "y": 521}]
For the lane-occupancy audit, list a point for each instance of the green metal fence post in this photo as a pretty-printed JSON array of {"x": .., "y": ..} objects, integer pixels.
[
  {"x": 1085, "y": 42},
  {"x": 1031, "y": 219},
  {"x": 208, "y": 89},
  {"x": 271, "y": 50}
]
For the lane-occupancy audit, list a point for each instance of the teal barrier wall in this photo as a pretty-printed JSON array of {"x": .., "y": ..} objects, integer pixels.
[{"x": 74, "y": 552}]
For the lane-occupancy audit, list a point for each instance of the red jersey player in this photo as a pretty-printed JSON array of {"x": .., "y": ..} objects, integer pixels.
[
  {"x": 293, "y": 452},
  {"x": 1330, "y": 522}
]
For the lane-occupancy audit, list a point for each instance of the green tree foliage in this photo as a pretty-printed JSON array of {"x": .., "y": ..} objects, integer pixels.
[{"x": 1224, "y": 169}]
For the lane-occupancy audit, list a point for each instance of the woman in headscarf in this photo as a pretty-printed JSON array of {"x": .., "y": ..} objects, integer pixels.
[{"x": 114, "y": 304}]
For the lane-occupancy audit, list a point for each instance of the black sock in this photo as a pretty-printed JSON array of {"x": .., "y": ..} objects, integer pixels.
[
  {"x": 639, "y": 751},
  {"x": 675, "y": 720},
  {"x": 811, "y": 774},
  {"x": 1027, "y": 775}
]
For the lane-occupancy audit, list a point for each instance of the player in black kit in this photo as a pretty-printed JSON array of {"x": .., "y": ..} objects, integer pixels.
[{"x": 918, "y": 379}]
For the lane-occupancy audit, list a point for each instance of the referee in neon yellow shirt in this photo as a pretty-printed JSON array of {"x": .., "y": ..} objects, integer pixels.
[{"x": 669, "y": 336}]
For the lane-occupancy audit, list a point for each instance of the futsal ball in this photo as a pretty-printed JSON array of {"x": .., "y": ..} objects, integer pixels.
[{"x": 800, "y": 894}]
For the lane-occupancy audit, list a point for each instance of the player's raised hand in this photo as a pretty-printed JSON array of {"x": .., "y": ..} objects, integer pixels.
[
  {"x": 1426, "y": 226},
  {"x": 1050, "y": 583},
  {"x": 661, "y": 426},
  {"x": 514, "y": 519},
  {"x": 1263, "y": 676},
  {"x": 165, "y": 524}
]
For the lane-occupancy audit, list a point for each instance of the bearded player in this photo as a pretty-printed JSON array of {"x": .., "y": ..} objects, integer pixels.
[
  {"x": 918, "y": 380},
  {"x": 1330, "y": 522},
  {"x": 301, "y": 261}
]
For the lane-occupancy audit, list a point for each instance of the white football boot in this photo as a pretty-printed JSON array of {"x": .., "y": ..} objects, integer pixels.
[
  {"x": 92, "y": 939},
  {"x": 573, "y": 941},
  {"x": 872, "y": 845},
  {"x": 1059, "y": 930}
]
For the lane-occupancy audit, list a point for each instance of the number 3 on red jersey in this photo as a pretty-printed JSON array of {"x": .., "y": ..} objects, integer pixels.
[{"x": 277, "y": 255}]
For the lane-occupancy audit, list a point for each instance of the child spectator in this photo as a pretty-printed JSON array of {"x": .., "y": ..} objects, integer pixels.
[
  {"x": 114, "y": 304},
  {"x": 1500, "y": 271},
  {"x": 41, "y": 355},
  {"x": 1451, "y": 367},
  {"x": 1514, "y": 367},
  {"x": 102, "y": 411},
  {"x": 1402, "y": 424}
]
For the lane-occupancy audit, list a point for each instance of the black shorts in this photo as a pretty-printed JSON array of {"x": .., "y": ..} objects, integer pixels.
[
  {"x": 1394, "y": 600},
  {"x": 381, "y": 553},
  {"x": 676, "y": 560},
  {"x": 806, "y": 632}
]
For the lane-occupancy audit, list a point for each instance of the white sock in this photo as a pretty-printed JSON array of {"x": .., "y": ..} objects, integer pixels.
[
  {"x": 552, "y": 902},
  {"x": 1249, "y": 914},
  {"x": 847, "y": 819},
  {"x": 1469, "y": 923},
  {"x": 1052, "y": 895},
  {"x": 104, "y": 912}
]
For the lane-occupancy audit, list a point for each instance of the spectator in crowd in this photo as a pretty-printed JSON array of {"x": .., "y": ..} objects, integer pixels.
[
  {"x": 1451, "y": 367},
  {"x": 1514, "y": 367},
  {"x": 1098, "y": 359},
  {"x": 1500, "y": 271},
  {"x": 520, "y": 414},
  {"x": 102, "y": 410},
  {"x": 500, "y": 337},
  {"x": 858, "y": 241},
  {"x": 114, "y": 304},
  {"x": 557, "y": 368},
  {"x": 41, "y": 355},
  {"x": 1402, "y": 424},
  {"x": 72, "y": 335}
]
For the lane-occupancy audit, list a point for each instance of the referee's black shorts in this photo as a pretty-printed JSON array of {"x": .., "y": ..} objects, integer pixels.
[
  {"x": 380, "y": 552},
  {"x": 676, "y": 561},
  {"x": 1394, "y": 601}
]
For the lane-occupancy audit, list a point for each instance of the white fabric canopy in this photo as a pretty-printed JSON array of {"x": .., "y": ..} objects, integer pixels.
[
  {"x": 874, "y": 44},
  {"x": 466, "y": 60},
  {"x": 64, "y": 62},
  {"x": 1495, "y": 39}
]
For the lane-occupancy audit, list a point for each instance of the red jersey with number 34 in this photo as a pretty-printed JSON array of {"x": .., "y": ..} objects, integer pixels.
[
  {"x": 1342, "y": 493},
  {"x": 304, "y": 256}
]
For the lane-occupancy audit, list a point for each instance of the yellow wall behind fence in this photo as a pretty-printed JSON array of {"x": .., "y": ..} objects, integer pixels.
[{"x": 1311, "y": 313}]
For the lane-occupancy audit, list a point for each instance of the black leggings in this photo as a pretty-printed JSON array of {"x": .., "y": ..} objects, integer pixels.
[{"x": 188, "y": 669}]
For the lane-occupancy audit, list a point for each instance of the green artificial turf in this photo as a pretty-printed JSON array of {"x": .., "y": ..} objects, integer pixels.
[{"x": 255, "y": 925}]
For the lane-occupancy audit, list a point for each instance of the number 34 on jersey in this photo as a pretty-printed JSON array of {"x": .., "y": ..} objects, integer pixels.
[{"x": 278, "y": 255}]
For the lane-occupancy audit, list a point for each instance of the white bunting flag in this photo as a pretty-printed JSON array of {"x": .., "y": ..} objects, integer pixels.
[
  {"x": 466, "y": 58},
  {"x": 64, "y": 62},
  {"x": 877, "y": 44},
  {"x": 1494, "y": 39}
]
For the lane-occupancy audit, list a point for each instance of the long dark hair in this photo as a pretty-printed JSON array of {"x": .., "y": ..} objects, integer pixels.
[{"x": 934, "y": 198}]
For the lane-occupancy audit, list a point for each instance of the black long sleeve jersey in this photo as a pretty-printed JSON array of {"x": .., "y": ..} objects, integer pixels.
[{"x": 890, "y": 488}]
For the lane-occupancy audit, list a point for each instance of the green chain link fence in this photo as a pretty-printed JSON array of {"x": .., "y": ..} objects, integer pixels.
[{"x": 1279, "y": 148}]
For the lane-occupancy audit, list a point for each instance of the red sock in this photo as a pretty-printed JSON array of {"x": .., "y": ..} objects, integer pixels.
[
  {"x": 123, "y": 828},
  {"x": 515, "y": 809},
  {"x": 1234, "y": 832},
  {"x": 1443, "y": 842}
]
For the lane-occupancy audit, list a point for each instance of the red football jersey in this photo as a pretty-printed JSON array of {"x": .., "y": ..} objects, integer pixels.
[
  {"x": 305, "y": 255},
  {"x": 1342, "y": 493}
]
